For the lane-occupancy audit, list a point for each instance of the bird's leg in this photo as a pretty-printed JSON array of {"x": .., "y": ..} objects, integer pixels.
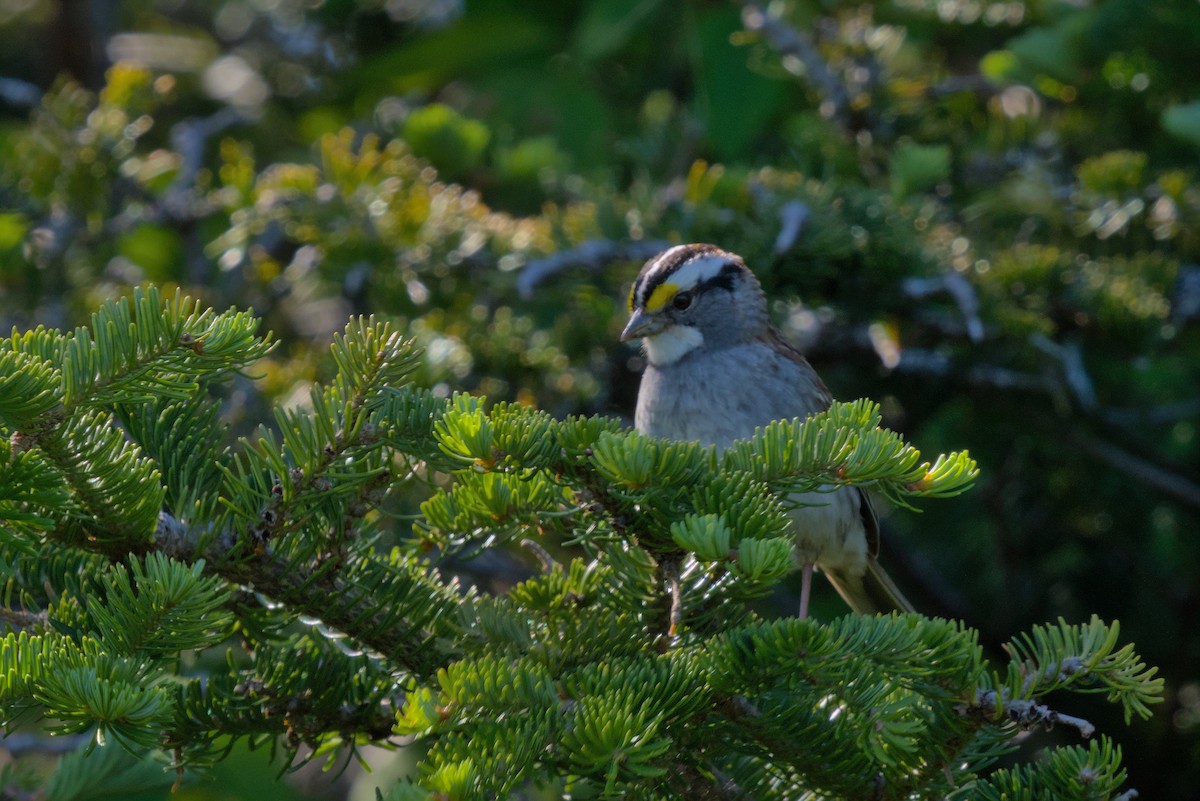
[{"x": 805, "y": 588}]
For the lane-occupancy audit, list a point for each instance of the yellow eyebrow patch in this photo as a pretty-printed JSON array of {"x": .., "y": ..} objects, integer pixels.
[{"x": 661, "y": 296}]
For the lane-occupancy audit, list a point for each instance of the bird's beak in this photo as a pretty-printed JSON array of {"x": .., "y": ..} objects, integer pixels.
[{"x": 642, "y": 325}]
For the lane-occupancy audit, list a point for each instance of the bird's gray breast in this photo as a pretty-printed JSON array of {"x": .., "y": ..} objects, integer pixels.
[
  {"x": 720, "y": 395},
  {"x": 717, "y": 396}
]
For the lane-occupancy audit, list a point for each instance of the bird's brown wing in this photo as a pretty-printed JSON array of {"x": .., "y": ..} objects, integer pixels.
[
  {"x": 873, "y": 592},
  {"x": 811, "y": 391},
  {"x": 870, "y": 522}
]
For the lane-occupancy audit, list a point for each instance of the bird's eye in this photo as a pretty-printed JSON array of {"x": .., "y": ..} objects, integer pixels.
[{"x": 682, "y": 300}]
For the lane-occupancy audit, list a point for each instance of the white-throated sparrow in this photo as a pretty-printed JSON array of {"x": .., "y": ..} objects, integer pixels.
[{"x": 717, "y": 369}]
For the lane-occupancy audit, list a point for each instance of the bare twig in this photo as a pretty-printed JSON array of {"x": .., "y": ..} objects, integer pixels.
[
  {"x": 961, "y": 83},
  {"x": 792, "y": 42},
  {"x": 19, "y": 93},
  {"x": 918, "y": 360},
  {"x": 1140, "y": 469},
  {"x": 738, "y": 707},
  {"x": 22, "y": 620},
  {"x": 1026, "y": 714},
  {"x": 21, "y": 744},
  {"x": 1185, "y": 295},
  {"x": 960, "y": 291},
  {"x": 190, "y": 138},
  {"x": 1070, "y": 359},
  {"x": 543, "y": 556},
  {"x": 1162, "y": 479},
  {"x": 792, "y": 217},
  {"x": 1164, "y": 414},
  {"x": 594, "y": 255},
  {"x": 180, "y": 205}
]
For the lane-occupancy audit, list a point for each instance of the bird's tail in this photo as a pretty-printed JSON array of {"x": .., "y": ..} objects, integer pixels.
[{"x": 872, "y": 593}]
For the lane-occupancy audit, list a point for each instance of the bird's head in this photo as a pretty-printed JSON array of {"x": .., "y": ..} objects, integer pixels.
[{"x": 694, "y": 296}]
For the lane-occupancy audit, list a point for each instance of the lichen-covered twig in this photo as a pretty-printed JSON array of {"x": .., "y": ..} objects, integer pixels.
[{"x": 1026, "y": 714}]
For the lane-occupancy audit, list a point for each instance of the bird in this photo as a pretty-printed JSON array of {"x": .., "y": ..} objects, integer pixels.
[{"x": 716, "y": 369}]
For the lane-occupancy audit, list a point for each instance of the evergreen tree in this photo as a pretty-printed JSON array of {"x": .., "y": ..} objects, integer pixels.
[
  {"x": 980, "y": 213},
  {"x": 169, "y": 595}
]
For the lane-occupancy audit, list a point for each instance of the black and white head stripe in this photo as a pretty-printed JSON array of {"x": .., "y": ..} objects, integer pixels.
[{"x": 682, "y": 268}]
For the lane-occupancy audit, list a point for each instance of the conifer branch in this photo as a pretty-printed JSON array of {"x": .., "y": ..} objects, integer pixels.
[
  {"x": 637, "y": 661},
  {"x": 317, "y": 592},
  {"x": 543, "y": 556},
  {"x": 22, "y": 620},
  {"x": 1027, "y": 715}
]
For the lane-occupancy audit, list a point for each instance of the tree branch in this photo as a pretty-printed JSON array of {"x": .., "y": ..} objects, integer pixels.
[
  {"x": 19, "y": 93},
  {"x": 1157, "y": 477},
  {"x": 594, "y": 255},
  {"x": 22, "y": 620},
  {"x": 1139, "y": 469},
  {"x": 959, "y": 289},
  {"x": 1026, "y": 714},
  {"x": 921, "y": 361},
  {"x": 793, "y": 216},
  {"x": 698, "y": 786},
  {"x": 308, "y": 589},
  {"x": 790, "y": 41}
]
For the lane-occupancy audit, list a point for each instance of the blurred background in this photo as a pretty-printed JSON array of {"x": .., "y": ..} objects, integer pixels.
[{"x": 982, "y": 214}]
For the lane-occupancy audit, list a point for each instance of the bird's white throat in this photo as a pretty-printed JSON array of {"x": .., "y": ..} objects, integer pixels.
[{"x": 669, "y": 346}]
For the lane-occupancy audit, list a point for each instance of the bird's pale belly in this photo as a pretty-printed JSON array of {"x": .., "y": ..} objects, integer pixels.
[{"x": 829, "y": 528}]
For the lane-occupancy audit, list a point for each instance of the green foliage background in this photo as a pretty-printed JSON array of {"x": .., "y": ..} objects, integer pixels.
[{"x": 421, "y": 160}]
